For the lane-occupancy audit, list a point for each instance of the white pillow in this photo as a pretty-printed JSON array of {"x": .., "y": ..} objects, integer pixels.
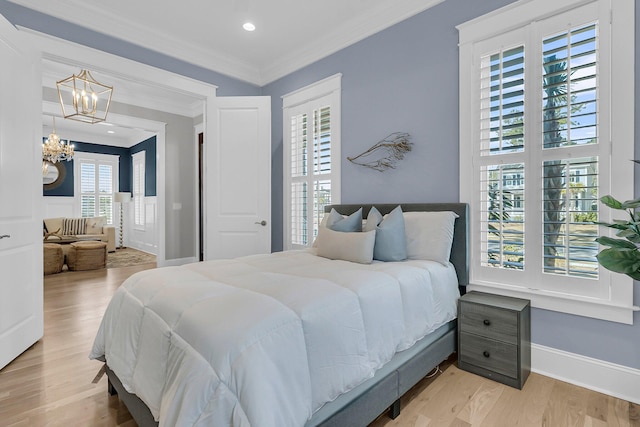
[
  {"x": 323, "y": 224},
  {"x": 429, "y": 235},
  {"x": 95, "y": 224},
  {"x": 346, "y": 246}
]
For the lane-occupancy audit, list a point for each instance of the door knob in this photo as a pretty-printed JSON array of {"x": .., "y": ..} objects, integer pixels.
[{"x": 262, "y": 223}]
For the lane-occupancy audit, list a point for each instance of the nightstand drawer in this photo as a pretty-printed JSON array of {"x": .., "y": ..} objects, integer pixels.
[
  {"x": 489, "y": 354},
  {"x": 491, "y": 322}
]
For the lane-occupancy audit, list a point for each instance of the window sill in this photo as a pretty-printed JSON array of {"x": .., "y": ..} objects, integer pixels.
[{"x": 564, "y": 303}]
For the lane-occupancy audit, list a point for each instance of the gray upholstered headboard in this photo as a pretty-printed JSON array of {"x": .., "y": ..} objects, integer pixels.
[{"x": 459, "y": 250}]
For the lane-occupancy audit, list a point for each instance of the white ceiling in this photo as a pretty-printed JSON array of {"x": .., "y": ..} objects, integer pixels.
[{"x": 289, "y": 35}]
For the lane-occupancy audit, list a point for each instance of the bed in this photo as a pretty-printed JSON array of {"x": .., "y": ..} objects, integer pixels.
[{"x": 311, "y": 353}]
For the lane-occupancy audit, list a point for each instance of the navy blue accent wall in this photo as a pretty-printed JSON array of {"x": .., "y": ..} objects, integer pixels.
[
  {"x": 125, "y": 172},
  {"x": 149, "y": 146}
]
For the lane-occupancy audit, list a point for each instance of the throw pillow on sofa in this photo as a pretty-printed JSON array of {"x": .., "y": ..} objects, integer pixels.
[
  {"x": 95, "y": 225},
  {"x": 74, "y": 226}
]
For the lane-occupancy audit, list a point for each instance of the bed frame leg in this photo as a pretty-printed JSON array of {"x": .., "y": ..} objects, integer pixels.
[
  {"x": 111, "y": 389},
  {"x": 394, "y": 410}
]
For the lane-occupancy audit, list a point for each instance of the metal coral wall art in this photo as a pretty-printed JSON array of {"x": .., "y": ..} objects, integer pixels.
[{"x": 386, "y": 153}]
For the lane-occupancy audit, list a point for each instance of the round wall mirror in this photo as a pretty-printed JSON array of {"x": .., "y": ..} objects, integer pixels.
[
  {"x": 49, "y": 173},
  {"x": 53, "y": 176}
]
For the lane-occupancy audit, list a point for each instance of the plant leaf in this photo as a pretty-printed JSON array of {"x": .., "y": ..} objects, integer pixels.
[
  {"x": 627, "y": 233},
  {"x": 621, "y": 222},
  {"x": 615, "y": 243},
  {"x": 623, "y": 261},
  {"x": 631, "y": 204},
  {"x": 615, "y": 226},
  {"x": 611, "y": 202}
]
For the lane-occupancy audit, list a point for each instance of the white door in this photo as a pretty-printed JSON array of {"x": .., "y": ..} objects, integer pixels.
[
  {"x": 21, "y": 310},
  {"x": 238, "y": 177}
]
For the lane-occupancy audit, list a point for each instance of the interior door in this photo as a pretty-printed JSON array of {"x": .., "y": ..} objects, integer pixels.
[
  {"x": 21, "y": 310},
  {"x": 238, "y": 177}
]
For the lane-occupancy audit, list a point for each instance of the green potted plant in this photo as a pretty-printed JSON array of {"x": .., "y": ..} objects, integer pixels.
[{"x": 622, "y": 254}]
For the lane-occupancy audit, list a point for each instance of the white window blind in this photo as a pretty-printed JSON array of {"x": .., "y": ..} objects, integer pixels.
[
  {"x": 537, "y": 124},
  {"x": 312, "y": 157},
  {"x": 138, "y": 189},
  {"x": 96, "y": 184}
]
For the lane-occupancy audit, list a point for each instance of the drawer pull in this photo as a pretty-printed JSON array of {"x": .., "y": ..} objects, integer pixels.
[
  {"x": 487, "y": 322},
  {"x": 486, "y": 353}
]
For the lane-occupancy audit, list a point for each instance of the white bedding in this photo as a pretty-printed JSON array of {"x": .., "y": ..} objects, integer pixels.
[{"x": 265, "y": 340}]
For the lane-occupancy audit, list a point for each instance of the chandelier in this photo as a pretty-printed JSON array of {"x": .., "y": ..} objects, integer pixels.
[
  {"x": 56, "y": 150},
  {"x": 83, "y": 98}
]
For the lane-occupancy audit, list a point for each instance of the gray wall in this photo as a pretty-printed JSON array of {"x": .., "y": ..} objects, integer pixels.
[
  {"x": 406, "y": 79},
  {"x": 180, "y": 187}
]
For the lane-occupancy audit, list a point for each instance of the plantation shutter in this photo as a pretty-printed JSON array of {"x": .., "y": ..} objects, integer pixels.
[
  {"x": 312, "y": 147},
  {"x": 96, "y": 185},
  {"x": 546, "y": 130},
  {"x": 88, "y": 189},
  {"x": 105, "y": 184},
  {"x": 309, "y": 193},
  {"x": 537, "y": 154},
  {"x": 570, "y": 122},
  {"x": 502, "y": 151},
  {"x": 138, "y": 189}
]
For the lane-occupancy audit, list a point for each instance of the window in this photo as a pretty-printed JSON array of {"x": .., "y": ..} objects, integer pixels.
[
  {"x": 98, "y": 181},
  {"x": 537, "y": 123},
  {"x": 311, "y": 158},
  {"x": 138, "y": 189}
]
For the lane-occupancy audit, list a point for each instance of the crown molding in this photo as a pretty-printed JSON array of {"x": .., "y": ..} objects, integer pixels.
[
  {"x": 367, "y": 25},
  {"x": 115, "y": 25},
  {"x": 109, "y": 23}
]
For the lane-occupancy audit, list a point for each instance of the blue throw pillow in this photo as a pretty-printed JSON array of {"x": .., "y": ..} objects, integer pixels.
[
  {"x": 391, "y": 242},
  {"x": 337, "y": 222}
]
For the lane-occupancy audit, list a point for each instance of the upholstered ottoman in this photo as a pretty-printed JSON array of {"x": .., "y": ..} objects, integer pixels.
[
  {"x": 87, "y": 255},
  {"x": 53, "y": 258}
]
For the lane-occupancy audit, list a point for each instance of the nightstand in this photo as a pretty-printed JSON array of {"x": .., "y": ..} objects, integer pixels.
[{"x": 494, "y": 337}]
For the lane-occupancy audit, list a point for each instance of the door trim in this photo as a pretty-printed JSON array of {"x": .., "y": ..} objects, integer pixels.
[{"x": 63, "y": 51}]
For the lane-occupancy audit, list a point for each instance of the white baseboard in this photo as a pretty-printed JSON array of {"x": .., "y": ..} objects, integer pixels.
[
  {"x": 604, "y": 377},
  {"x": 178, "y": 261}
]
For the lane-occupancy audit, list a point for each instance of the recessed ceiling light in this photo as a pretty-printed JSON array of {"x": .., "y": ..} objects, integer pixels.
[
  {"x": 111, "y": 131},
  {"x": 248, "y": 26}
]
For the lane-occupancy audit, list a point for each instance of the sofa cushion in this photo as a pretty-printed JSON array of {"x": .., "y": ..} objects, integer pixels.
[{"x": 93, "y": 237}]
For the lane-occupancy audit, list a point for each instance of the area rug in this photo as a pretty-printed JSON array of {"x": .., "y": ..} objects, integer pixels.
[{"x": 126, "y": 257}]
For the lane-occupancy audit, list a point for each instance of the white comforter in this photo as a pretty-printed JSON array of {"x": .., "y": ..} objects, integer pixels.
[{"x": 265, "y": 340}]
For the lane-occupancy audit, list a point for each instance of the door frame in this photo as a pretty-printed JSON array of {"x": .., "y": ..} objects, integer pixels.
[
  {"x": 199, "y": 177},
  {"x": 66, "y": 52}
]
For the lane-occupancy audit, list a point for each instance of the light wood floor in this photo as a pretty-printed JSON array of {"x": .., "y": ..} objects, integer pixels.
[{"x": 54, "y": 383}]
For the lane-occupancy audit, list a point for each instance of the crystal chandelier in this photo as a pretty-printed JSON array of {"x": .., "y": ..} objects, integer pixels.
[
  {"x": 56, "y": 150},
  {"x": 83, "y": 98}
]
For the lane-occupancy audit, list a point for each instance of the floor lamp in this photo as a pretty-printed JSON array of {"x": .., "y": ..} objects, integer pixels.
[{"x": 121, "y": 198}]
